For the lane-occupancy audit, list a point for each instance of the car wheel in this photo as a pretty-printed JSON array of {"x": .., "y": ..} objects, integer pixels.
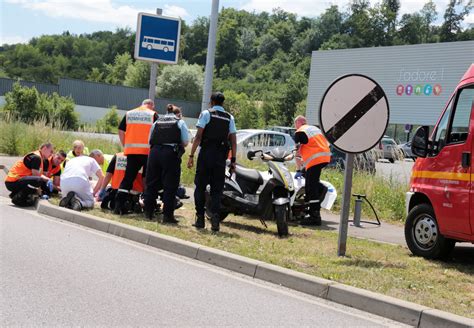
[
  {"x": 422, "y": 234},
  {"x": 391, "y": 160}
]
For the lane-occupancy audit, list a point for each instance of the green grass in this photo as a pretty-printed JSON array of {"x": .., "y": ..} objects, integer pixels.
[
  {"x": 386, "y": 195},
  {"x": 382, "y": 268},
  {"x": 17, "y": 138}
]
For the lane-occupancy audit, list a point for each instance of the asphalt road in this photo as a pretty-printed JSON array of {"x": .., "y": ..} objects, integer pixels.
[{"x": 54, "y": 273}]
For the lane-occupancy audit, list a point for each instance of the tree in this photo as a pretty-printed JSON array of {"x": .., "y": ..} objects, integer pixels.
[
  {"x": 115, "y": 73},
  {"x": 429, "y": 14},
  {"x": 181, "y": 82},
  {"x": 196, "y": 36},
  {"x": 453, "y": 20},
  {"x": 21, "y": 102},
  {"x": 240, "y": 106},
  {"x": 229, "y": 43},
  {"x": 293, "y": 93},
  {"x": 138, "y": 75}
]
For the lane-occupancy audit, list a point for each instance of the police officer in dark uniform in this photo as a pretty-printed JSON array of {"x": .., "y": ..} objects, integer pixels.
[
  {"x": 215, "y": 128},
  {"x": 168, "y": 137}
]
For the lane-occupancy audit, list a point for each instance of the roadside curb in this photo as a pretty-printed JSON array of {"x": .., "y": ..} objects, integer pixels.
[{"x": 385, "y": 306}]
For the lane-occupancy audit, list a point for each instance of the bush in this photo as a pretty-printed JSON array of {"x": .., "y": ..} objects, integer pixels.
[
  {"x": 110, "y": 122},
  {"x": 18, "y": 138},
  {"x": 28, "y": 105}
]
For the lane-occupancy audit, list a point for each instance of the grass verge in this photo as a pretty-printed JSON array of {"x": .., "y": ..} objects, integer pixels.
[
  {"x": 382, "y": 268},
  {"x": 18, "y": 138},
  {"x": 387, "y": 196}
]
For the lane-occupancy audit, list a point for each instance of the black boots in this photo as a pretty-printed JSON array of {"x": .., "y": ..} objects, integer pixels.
[
  {"x": 215, "y": 222},
  {"x": 199, "y": 223},
  {"x": 314, "y": 219},
  {"x": 170, "y": 219}
]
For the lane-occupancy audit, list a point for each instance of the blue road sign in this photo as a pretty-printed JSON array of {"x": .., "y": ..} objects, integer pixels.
[{"x": 157, "y": 38}]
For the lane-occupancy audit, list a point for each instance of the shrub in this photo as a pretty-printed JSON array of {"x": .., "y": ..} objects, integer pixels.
[
  {"x": 18, "y": 138},
  {"x": 28, "y": 105},
  {"x": 110, "y": 122}
]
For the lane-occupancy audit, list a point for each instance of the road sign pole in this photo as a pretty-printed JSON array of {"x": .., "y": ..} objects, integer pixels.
[
  {"x": 211, "y": 50},
  {"x": 152, "y": 88},
  {"x": 153, "y": 71},
  {"x": 346, "y": 205}
]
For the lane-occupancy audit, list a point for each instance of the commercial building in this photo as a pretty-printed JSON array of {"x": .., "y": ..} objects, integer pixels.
[{"x": 417, "y": 79}]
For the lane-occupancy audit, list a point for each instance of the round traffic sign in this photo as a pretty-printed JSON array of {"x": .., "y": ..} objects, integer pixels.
[{"x": 354, "y": 113}]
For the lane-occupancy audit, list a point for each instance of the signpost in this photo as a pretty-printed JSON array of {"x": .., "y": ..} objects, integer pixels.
[
  {"x": 353, "y": 114},
  {"x": 157, "y": 41}
]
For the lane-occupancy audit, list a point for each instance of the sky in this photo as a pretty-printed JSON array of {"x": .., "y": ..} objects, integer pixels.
[{"x": 20, "y": 20}]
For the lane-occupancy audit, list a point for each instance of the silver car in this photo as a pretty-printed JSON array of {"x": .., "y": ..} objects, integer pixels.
[
  {"x": 388, "y": 149},
  {"x": 250, "y": 139},
  {"x": 405, "y": 148}
]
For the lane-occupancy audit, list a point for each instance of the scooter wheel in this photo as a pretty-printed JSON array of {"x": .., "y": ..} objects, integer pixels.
[{"x": 281, "y": 214}]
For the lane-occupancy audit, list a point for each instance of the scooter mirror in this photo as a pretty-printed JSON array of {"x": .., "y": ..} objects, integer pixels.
[{"x": 250, "y": 154}]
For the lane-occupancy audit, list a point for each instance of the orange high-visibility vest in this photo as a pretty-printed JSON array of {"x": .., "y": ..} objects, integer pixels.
[
  {"x": 316, "y": 151},
  {"x": 54, "y": 169},
  {"x": 119, "y": 174},
  {"x": 139, "y": 122},
  {"x": 19, "y": 170}
]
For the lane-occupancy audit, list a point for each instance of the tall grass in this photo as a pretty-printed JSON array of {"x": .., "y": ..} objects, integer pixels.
[
  {"x": 386, "y": 195},
  {"x": 18, "y": 138}
]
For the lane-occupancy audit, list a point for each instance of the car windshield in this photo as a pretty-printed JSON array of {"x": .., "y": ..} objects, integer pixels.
[{"x": 241, "y": 135}]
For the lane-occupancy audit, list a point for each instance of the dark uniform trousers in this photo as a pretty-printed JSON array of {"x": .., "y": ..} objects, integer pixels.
[
  {"x": 25, "y": 183},
  {"x": 210, "y": 170},
  {"x": 164, "y": 167},
  {"x": 134, "y": 164},
  {"x": 313, "y": 187}
]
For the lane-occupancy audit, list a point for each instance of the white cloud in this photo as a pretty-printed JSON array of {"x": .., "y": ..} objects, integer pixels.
[
  {"x": 102, "y": 11},
  {"x": 4, "y": 39},
  {"x": 175, "y": 11}
]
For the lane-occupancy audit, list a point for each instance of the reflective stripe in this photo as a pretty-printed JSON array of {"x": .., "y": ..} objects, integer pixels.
[
  {"x": 124, "y": 191},
  {"x": 220, "y": 117},
  {"x": 136, "y": 145},
  {"x": 317, "y": 155},
  {"x": 314, "y": 201},
  {"x": 456, "y": 176}
]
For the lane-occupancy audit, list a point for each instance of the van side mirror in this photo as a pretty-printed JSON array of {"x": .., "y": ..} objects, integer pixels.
[{"x": 419, "y": 144}]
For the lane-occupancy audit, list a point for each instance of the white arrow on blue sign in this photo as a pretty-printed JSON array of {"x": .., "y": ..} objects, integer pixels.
[{"x": 157, "y": 38}]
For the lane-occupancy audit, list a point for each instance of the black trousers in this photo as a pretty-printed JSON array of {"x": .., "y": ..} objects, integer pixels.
[
  {"x": 23, "y": 183},
  {"x": 134, "y": 164},
  {"x": 210, "y": 170},
  {"x": 313, "y": 186},
  {"x": 163, "y": 172}
]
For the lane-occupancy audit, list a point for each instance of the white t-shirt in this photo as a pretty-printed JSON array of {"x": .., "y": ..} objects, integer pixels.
[{"x": 80, "y": 167}]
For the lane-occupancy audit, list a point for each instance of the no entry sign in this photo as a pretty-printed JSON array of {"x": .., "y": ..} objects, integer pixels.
[{"x": 354, "y": 113}]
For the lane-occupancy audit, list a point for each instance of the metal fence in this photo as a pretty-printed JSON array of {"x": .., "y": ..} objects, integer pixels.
[{"x": 94, "y": 94}]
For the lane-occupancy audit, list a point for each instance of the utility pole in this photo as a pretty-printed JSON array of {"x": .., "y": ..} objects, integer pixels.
[
  {"x": 153, "y": 70},
  {"x": 211, "y": 51}
]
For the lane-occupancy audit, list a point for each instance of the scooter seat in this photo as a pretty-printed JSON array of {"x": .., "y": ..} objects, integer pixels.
[{"x": 250, "y": 175}]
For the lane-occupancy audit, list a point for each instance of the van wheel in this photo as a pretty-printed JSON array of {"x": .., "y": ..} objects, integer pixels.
[
  {"x": 281, "y": 214},
  {"x": 422, "y": 234}
]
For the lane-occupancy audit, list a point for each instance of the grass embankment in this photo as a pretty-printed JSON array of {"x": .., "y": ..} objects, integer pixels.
[
  {"x": 381, "y": 268},
  {"x": 387, "y": 196},
  {"x": 17, "y": 138}
]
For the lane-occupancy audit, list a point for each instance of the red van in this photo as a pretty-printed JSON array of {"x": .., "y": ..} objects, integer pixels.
[{"x": 439, "y": 204}]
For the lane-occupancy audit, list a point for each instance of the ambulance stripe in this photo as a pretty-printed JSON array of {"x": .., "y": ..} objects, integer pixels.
[
  {"x": 355, "y": 114},
  {"x": 458, "y": 176}
]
